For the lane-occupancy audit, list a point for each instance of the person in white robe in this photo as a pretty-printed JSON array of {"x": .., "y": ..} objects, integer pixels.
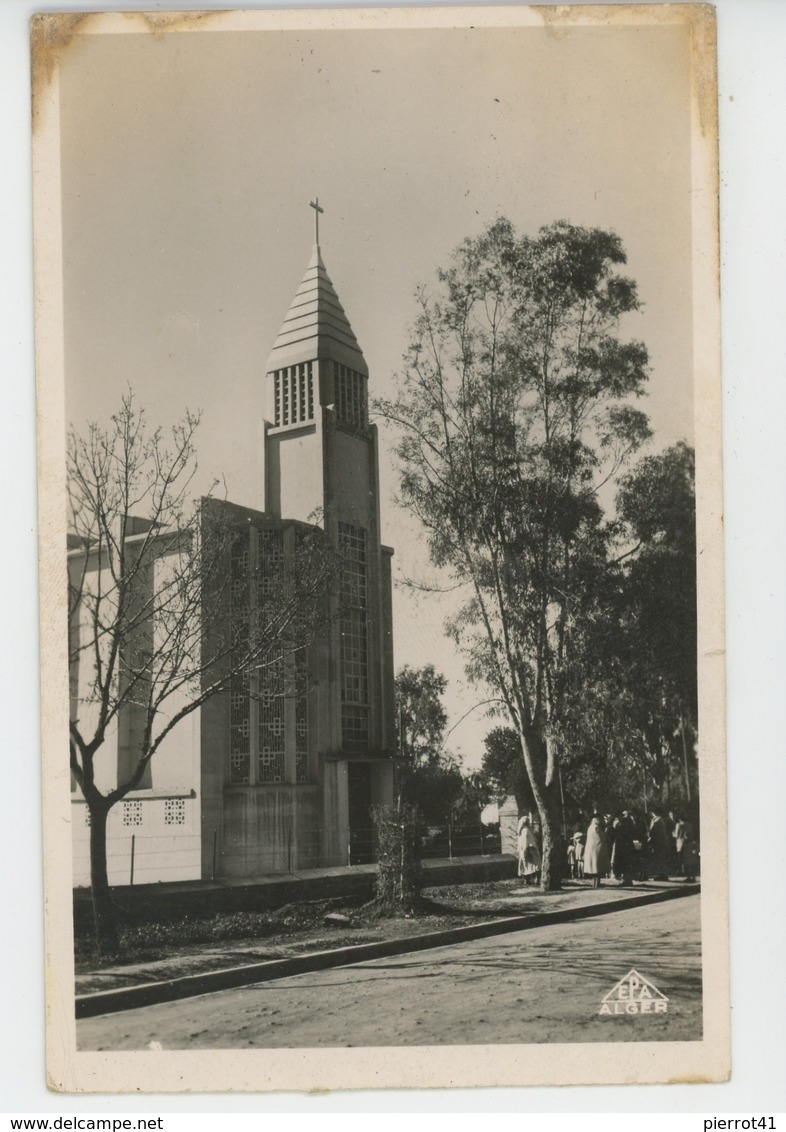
[
  {"x": 596, "y": 853},
  {"x": 529, "y": 853}
]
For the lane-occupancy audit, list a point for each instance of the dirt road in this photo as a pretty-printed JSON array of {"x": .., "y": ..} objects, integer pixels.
[{"x": 542, "y": 985}]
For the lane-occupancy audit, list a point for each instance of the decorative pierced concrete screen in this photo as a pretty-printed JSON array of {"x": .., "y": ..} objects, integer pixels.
[
  {"x": 175, "y": 811},
  {"x": 354, "y": 639},
  {"x": 351, "y": 397},
  {"x": 132, "y": 813}
]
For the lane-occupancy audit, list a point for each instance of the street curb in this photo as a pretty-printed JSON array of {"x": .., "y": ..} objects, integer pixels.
[{"x": 208, "y": 982}]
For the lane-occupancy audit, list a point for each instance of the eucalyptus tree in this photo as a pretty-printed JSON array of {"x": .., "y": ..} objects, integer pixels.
[
  {"x": 656, "y": 503},
  {"x": 514, "y": 408}
]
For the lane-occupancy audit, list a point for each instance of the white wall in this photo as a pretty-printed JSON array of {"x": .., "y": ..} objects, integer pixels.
[{"x": 166, "y": 843}]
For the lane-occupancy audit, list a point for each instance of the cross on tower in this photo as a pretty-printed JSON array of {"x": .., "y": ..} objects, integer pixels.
[{"x": 315, "y": 205}]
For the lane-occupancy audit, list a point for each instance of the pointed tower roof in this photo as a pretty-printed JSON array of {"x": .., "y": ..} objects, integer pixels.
[{"x": 316, "y": 325}]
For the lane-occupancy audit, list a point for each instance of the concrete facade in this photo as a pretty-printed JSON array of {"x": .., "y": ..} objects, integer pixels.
[{"x": 255, "y": 783}]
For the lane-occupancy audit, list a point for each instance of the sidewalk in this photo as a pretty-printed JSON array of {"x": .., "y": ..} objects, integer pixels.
[{"x": 517, "y": 908}]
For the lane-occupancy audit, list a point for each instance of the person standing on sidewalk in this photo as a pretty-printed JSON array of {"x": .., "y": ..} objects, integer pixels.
[
  {"x": 678, "y": 833},
  {"x": 571, "y": 860},
  {"x": 596, "y": 854},
  {"x": 611, "y": 843},
  {"x": 623, "y": 852},
  {"x": 690, "y": 854},
  {"x": 658, "y": 845},
  {"x": 578, "y": 851},
  {"x": 529, "y": 854}
]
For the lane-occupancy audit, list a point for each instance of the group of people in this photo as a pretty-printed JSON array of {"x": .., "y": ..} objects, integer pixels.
[{"x": 627, "y": 847}]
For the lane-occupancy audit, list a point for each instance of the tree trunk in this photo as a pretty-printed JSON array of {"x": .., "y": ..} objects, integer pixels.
[
  {"x": 522, "y": 792},
  {"x": 106, "y": 937}
]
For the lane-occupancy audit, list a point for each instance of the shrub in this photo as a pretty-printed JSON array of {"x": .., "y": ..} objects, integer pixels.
[{"x": 399, "y": 873}]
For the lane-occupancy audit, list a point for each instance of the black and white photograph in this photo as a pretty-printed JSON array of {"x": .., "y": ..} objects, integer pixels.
[{"x": 381, "y": 548}]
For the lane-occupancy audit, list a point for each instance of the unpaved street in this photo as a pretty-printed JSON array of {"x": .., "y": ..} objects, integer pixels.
[{"x": 542, "y": 985}]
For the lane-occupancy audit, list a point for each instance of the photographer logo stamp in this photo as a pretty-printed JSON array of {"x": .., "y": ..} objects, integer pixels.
[{"x": 634, "y": 994}]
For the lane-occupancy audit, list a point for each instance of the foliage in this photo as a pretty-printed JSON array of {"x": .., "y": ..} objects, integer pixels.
[
  {"x": 503, "y": 770},
  {"x": 429, "y": 779},
  {"x": 633, "y": 704},
  {"x": 433, "y": 790},
  {"x": 657, "y": 503},
  {"x": 420, "y": 715},
  {"x": 513, "y": 410},
  {"x": 475, "y": 795}
]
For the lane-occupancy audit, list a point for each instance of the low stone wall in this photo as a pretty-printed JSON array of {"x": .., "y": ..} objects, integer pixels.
[{"x": 140, "y": 903}]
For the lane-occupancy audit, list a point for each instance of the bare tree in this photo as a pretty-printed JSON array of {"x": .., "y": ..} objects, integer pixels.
[{"x": 155, "y": 629}]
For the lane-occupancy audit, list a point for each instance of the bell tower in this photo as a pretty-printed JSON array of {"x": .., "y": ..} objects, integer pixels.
[
  {"x": 321, "y": 466},
  {"x": 318, "y": 444}
]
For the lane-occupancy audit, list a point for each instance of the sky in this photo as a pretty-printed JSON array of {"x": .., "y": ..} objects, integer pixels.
[{"x": 188, "y": 162}]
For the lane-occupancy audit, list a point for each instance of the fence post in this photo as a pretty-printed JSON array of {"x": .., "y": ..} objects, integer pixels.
[
  {"x": 450, "y": 835},
  {"x": 215, "y": 849},
  {"x": 133, "y": 847},
  {"x": 482, "y": 845}
]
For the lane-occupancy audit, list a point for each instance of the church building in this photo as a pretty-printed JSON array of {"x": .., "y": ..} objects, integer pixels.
[{"x": 269, "y": 777}]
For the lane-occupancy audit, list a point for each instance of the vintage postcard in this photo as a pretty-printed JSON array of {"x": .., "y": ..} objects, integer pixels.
[{"x": 381, "y": 548}]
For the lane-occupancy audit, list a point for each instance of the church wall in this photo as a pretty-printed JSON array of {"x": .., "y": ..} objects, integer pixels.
[
  {"x": 352, "y": 497},
  {"x": 335, "y": 814},
  {"x": 164, "y": 826},
  {"x": 176, "y": 762},
  {"x": 214, "y": 741},
  {"x": 324, "y": 722},
  {"x": 350, "y": 489},
  {"x": 260, "y": 827},
  {"x": 86, "y": 709},
  {"x": 158, "y": 823}
]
